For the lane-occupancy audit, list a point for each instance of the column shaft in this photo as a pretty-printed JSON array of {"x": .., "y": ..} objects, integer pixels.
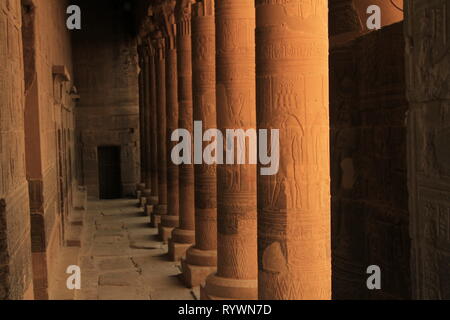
[
  {"x": 294, "y": 203},
  {"x": 201, "y": 259},
  {"x": 141, "y": 185},
  {"x": 184, "y": 236},
  {"x": 171, "y": 220},
  {"x": 160, "y": 62},
  {"x": 153, "y": 133},
  {"x": 146, "y": 122},
  {"x": 236, "y": 276}
]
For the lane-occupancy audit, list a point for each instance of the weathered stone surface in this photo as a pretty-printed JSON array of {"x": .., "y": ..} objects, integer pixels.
[
  {"x": 428, "y": 78},
  {"x": 184, "y": 236},
  {"x": 294, "y": 255},
  {"x": 153, "y": 133},
  {"x": 136, "y": 271},
  {"x": 368, "y": 165},
  {"x": 142, "y": 153},
  {"x": 171, "y": 220},
  {"x": 15, "y": 246},
  {"x": 161, "y": 208},
  {"x": 237, "y": 269},
  {"x": 107, "y": 113},
  {"x": 348, "y": 18},
  {"x": 198, "y": 264}
]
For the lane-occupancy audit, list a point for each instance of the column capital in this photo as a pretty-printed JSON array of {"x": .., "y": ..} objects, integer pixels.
[
  {"x": 150, "y": 50},
  {"x": 203, "y": 8},
  {"x": 169, "y": 23},
  {"x": 183, "y": 10},
  {"x": 183, "y": 16},
  {"x": 159, "y": 43}
]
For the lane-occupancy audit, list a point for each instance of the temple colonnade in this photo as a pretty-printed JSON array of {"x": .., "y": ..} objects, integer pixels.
[{"x": 239, "y": 65}]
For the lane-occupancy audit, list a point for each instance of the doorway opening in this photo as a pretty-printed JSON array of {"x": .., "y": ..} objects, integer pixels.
[{"x": 110, "y": 184}]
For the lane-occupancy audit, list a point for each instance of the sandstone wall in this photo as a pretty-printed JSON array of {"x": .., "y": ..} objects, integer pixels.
[
  {"x": 48, "y": 131},
  {"x": 428, "y": 84},
  {"x": 368, "y": 165},
  {"x": 15, "y": 251},
  {"x": 107, "y": 78},
  {"x": 348, "y": 18}
]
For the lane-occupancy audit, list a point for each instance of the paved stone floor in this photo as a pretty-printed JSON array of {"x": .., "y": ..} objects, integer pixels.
[{"x": 122, "y": 259}]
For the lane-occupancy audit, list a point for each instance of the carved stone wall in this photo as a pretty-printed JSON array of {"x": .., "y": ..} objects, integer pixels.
[
  {"x": 428, "y": 87},
  {"x": 15, "y": 247},
  {"x": 348, "y": 18},
  {"x": 106, "y": 75},
  {"x": 49, "y": 132},
  {"x": 368, "y": 165}
]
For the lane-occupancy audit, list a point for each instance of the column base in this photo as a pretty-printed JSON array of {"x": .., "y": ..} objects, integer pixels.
[
  {"x": 195, "y": 275},
  {"x": 201, "y": 258},
  {"x": 138, "y": 196},
  {"x": 148, "y": 210},
  {"x": 153, "y": 200},
  {"x": 139, "y": 187},
  {"x": 177, "y": 251},
  {"x": 183, "y": 236},
  {"x": 158, "y": 211},
  {"x": 180, "y": 242},
  {"x": 142, "y": 202},
  {"x": 168, "y": 224},
  {"x": 165, "y": 233},
  {"x": 218, "y": 288}
]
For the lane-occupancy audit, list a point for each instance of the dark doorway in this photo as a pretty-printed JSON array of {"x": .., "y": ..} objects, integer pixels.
[{"x": 109, "y": 172}]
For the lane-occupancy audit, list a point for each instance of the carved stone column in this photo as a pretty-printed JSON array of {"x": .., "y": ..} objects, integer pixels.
[
  {"x": 294, "y": 204},
  {"x": 171, "y": 220},
  {"x": 141, "y": 185},
  {"x": 160, "y": 62},
  {"x": 184, "y": 236},
  {"x": 146, "y": 193},
  {"x": 428, "y": 77},
  {"x": 153, "y": 132},
  {"x": 201, "y": 259},
  {"x": 237, "y": 270}
]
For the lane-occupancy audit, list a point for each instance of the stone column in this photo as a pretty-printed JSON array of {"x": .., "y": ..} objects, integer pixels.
[
  {"x": 146, "y": 193},
  {"x": 153, "y": 133},
  {"x": 201, "y": 259},
  {"x": 294, "y": 202},
  {"x": 141, "y": 185},
  {"x": 237, "y": 270},
  {"x": 161, "y": 208},
  {"x": 184, "y": 236},
  {"x": 171, "y": 220},
  {"x": 427, "y": 80}
]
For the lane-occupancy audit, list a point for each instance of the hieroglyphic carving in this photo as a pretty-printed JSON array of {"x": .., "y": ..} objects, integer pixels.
[
  {"x": 428, "y": 76},
  {"x": 294, "y": 205},
  {"x": 153, "y": 133},
  {"x": 144, "y": 105},
  {"x": 186, "y": 196},
  {"x": 141, "y": 113},
  {"x": 203, "y": 255},
  {"x": 147, "y": 119},
  {"x": 160, "y": 61},
  {"x": 172, "y": 115},
  {"x": 236, "y": 275},
  {"x": 15, "y": 257}
]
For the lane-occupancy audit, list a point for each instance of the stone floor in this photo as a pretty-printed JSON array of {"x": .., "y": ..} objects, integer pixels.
[{"x": 121, "y": 257}]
